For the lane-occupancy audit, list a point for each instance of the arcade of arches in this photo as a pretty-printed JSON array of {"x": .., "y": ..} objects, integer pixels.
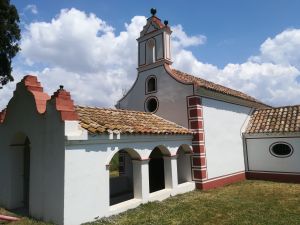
[{"x": 133, "y": 178}]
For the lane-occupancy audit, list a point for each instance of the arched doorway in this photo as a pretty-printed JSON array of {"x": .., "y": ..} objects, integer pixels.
[
  {"x": 156, "y": 170},
  {"x": 184, "y": 164},
  {"x": 121, "y": 176},
  {"x": 20, "y": 152}
]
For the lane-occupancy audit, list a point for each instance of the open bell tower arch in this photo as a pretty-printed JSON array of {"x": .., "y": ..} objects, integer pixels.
[{"x": 154, "y": 42}]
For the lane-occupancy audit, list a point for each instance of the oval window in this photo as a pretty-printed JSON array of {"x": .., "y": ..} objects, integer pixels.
[
  {"x": 151, "y": 104},
  {"x": 281, "y": 149}
]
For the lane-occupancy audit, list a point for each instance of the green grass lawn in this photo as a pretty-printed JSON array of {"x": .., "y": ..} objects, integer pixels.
[{"x": 248, "y": 202}]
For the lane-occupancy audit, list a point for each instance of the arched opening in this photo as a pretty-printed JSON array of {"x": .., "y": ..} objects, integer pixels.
[
  {"x": 151, "y": 84},
  {"x": 157, "y": 170},
  {"x": 150, "y": 52},
  {"x": 184, "y": 164},
  {"x": 20, "y": 151},
  {"x": 121, "y": 176}
]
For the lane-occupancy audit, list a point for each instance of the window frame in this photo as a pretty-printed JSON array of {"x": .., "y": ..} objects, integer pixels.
[
  {"x": 146, "y": 101},
  {"x": 147, "y": 82},
  {"x": 281, "y": 156}
]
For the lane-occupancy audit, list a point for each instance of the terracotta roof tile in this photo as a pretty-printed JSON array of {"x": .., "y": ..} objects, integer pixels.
[
  {"x": 100, "y": 120},
  {"x": 187, "y": 78},
  {"x": 275, "y": 120}
]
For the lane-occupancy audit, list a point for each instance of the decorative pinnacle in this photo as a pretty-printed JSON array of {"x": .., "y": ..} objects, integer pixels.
[
  {"x": 153, "y": 11},
  {"x": 61, "y": 87},
  {"x": 166, "y": 22}
]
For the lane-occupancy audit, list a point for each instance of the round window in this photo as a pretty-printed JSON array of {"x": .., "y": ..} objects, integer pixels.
[
  {"x": 151, "y": 104},
  {"x": 281, "y": 149}
]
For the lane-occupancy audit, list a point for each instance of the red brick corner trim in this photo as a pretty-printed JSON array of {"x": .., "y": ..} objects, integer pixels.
[
  {"x": 64, "y": 104},
  {"x": 196, "y": 125},
  {"x": 273, "y": 176},
  {"x": 221, "y": 181}
]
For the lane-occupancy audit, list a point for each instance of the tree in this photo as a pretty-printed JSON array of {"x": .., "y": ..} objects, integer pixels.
[{"x": 10, "y": 34}]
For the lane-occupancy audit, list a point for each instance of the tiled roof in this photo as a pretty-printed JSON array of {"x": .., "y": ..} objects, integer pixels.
[
  {"x": 187, "y": 78},
  {"x": 100, "y": 120},
  {"x": 275, "y": 120}
]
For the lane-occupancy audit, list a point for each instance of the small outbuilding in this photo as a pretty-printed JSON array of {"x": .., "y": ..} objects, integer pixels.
[{"x": 272, "y": 141}]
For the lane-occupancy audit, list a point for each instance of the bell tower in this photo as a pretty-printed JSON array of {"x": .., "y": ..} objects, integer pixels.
[{"x": 154, "y": 43}]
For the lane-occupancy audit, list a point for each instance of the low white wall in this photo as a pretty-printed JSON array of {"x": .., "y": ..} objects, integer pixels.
[
  {"x": 260, "y": 159},
  {"x": 223, "y": 124},
  {"x": 46, "y": 135},
  {"x": 87, "y": 176}
]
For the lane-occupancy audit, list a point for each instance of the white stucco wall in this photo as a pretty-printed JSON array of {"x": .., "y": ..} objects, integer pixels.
[
  {"x": 260, "y": 159},
  {"x": 223, "y": 124},
  {"x": 46, "y": 135},
  {"x": 171, "y": 95},
  {"x": 87, "y": 174}
]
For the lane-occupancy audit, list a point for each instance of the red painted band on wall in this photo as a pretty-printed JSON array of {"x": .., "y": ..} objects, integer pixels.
[
  {"x": 199, "y": 161},
  {"x": 221, "y": 182},
  {"x": 196, "y": 124},
  {"x": 198, "y": 149},
  {"x": 193, "y": 101},
  {"x": 282, "y": 177},
  {"x": 194, "y": 113},
  {"x": 199, "y": 174},
  {"x": 198, "y": 136}
]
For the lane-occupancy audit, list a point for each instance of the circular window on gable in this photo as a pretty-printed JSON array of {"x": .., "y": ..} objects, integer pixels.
[
  {"x": 151, "y": 104},
  {"x": 281, "y": 149}
]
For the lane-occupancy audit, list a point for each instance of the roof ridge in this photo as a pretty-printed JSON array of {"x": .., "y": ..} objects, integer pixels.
[
  {"x": 171, "y": 122},
  {"x": 99, "y": 120},
  {"x": 112, "y": 109},
  {"x": 213, "y": 86},
  {"x": 275, "y": 120},
  {"x": 196, "y": 77},
  {"x": 278, "y": 107}
]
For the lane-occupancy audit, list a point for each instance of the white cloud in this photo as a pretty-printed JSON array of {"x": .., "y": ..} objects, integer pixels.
[
  {"x": 79, "y": 42},
  {"x": 83, "y": 53},
  {"x": 270, "y": 76},
  {"x": 282, "y": 49},
  {"x": 32, "y": 8},
  {"x": 93, "y": 62},
  {"x": 181, "y": 39}
]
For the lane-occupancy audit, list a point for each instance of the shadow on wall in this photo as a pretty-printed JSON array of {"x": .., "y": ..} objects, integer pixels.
[
  {"x": 20, "y": 149},
  {"x": 121, "y": 176}
]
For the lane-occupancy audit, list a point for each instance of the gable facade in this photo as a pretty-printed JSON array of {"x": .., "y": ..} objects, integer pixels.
[{"x": 217, "y": 115}]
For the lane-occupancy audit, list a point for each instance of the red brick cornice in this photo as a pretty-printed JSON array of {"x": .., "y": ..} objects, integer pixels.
[
  {"x": 64, "y": 104},
  {"x": 34, "y": 87},
  {"x": 61, "y": 99}
]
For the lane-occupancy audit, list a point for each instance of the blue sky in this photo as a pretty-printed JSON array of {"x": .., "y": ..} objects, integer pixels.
[
  {"x": 234, "y": 28},
  {"x": 246, "y": 45}
]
